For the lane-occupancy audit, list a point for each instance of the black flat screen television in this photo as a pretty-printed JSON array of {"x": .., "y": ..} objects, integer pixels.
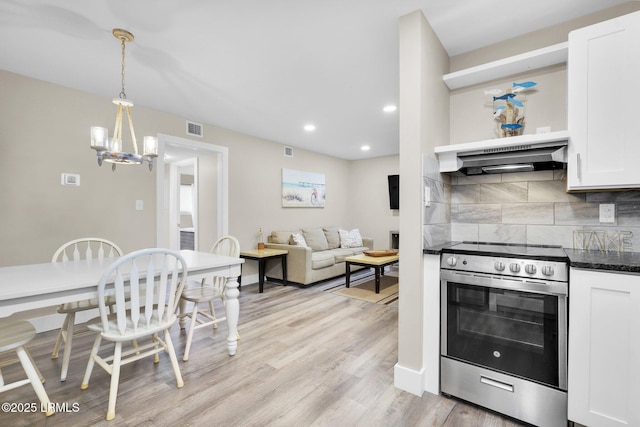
[{"x": 394, "y": 191}]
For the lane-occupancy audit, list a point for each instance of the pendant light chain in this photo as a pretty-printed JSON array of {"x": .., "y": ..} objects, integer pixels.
[{"x": 122, "y": 94}]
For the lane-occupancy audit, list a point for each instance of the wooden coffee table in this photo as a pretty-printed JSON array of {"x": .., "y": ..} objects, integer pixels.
[
  {"x": 262, "y": 255},
  {"x": 377, "y": 262}
]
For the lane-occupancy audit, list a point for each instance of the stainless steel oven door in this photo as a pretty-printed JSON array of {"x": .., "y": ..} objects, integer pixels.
[{"x": 516, "y": 327}]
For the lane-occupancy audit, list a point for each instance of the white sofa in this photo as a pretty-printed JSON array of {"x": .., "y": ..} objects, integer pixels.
[{"x": 321, "y": 258}]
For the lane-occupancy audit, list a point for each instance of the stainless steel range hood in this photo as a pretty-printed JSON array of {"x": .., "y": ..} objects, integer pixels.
[{"x": 516, "y": 154}]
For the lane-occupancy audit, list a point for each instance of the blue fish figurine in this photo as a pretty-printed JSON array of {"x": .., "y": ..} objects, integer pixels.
[
  {"x": 506, "y": 96},
  {"x": 516, "y": 102},
  {"x": 525, "y": 84},
  {"x": 511, "y": 126}
]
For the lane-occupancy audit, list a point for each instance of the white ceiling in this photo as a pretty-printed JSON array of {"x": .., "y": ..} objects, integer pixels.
[{"x": 261, "y": 67}]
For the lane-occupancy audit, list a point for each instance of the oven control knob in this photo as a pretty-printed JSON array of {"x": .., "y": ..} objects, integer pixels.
[
  {"x": 514, "y": 267},
  {"x": 452, "y": 261},
  {"x": 499, "y": 265},
  {"x": 530, "y": 269},
  {"x": 547, "y": 270}
]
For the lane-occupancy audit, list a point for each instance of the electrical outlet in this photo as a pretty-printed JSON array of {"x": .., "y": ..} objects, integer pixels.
[
  {"x": 544, "y": 129},
  {"x": 607, "y": 213}
]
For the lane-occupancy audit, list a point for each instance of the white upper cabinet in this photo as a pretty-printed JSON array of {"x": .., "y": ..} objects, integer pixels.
[{"x": 604, "y": 105}]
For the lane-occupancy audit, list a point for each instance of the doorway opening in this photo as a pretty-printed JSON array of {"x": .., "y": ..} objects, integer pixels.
[{"x": 203, "y": 168}]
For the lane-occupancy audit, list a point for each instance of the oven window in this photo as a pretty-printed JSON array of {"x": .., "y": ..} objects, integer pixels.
[{"x": 511, "y": 331}]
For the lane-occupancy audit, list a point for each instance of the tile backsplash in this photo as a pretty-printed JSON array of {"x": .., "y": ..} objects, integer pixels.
[{"x": 529, "y": 207}]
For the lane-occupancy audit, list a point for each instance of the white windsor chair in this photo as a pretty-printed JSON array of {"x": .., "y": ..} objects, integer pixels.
[
  {"x": 14, "y": 336},
  {"x": 76, "y": 250},
  {"x": 153, "y": 280},
  {"x": 203, "y": 292}
]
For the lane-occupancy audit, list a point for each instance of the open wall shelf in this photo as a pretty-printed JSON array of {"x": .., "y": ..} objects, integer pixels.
[{"x": 533, "y": 60}]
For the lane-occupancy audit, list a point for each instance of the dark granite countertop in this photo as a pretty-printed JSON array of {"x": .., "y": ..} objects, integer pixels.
[
  {"x": 437, "y": 249},
  {"x": 627, "y": 262}
]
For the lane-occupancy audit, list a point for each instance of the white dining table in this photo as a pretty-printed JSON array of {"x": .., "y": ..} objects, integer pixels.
[{"x": 33, "y": 286}]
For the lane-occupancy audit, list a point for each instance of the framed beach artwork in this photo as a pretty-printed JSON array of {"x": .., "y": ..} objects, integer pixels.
[{"x": 302, "y": 189}]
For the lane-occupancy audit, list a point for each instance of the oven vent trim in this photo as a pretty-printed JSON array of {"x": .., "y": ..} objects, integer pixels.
[{"x": 503, "y": 149}]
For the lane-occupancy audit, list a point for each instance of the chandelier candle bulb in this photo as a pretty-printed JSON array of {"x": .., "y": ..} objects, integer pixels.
[
  {"x": 150, "y": 146},
  {"x": 99, "y": 138}
]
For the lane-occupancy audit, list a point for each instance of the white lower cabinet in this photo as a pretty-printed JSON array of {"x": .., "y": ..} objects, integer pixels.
[{"x": 604, "y": 348}]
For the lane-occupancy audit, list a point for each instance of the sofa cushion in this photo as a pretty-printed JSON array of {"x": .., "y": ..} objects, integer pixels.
[
  {"x": 333, "y": 238},
  {"x": 322, "y": 259},
  {"x": 297, "y": 239},
  {"x": 350, "y": 239},
  {"x": 315, "y": 239},
  {"x": 341, "y": 254},
  {"x": 282, "y": 237}
]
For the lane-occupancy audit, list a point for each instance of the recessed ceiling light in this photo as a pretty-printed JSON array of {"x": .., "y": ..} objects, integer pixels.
[
  {"x": 365, "y": 148},
  {"x": 309, "y": 127},
  {"x": 389, "y": 108}
]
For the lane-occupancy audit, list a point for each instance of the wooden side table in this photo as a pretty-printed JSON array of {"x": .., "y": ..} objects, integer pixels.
[
  {"x": 262, "y": 255},
  {"x": 377, "y": 262}
]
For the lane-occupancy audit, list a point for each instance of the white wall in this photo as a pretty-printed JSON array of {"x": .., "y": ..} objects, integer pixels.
[
  {"x": 44, "y": 131},
  {"x": 369, "y": 199},
  {"x": 424, "y": 124}
]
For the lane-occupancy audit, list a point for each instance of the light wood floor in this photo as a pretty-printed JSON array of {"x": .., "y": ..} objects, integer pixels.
[{"x": 305, "y": 358}]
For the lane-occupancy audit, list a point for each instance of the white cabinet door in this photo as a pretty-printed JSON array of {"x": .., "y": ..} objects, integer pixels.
[
  {"x": 604, "y": 105},
  {"x": 604, "y": 348}
]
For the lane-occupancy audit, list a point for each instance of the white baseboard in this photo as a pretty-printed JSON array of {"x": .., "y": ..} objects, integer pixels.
[
  {"x": 250, "y": 279},
  {"x": 408, "y": 380}
]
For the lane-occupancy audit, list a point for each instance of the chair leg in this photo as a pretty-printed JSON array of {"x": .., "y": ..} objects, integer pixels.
[
  {"x": 32, "y": 374},
  {"x": 154, "y": 338},
  {"x": 66, "y": 356},
  {"x": 115, "y": 380},
  {"x": 56, "y": 348},
  {"x": 92, "y": 361},
  {"x": 192, "y": 327},
  {"x": 173, "y": 358},
  {"x": 213, "y": 314},
  {"x": 42, "y": 379}
]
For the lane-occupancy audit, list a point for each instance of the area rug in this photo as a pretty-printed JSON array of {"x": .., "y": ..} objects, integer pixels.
[{"x": 366, "y": 290}]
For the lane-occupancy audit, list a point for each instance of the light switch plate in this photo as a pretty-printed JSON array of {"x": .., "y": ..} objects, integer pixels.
[
  {"x": 607, "y": 213},
  {"x": 139, "y": 205},
  {"x": 427, "y": 196}
]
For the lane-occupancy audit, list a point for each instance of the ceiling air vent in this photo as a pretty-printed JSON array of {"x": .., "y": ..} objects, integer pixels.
[
  {"x": 288, "y": 151},
  {"x": 194, "y": 129}
]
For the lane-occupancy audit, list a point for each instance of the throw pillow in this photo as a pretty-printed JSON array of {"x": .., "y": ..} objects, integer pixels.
[
  {"x": 298, "y": 240},
  {"x": 350, "y": 239},
  {"x": 333, "y": 238},
  {"x": 315, "y": 239}
]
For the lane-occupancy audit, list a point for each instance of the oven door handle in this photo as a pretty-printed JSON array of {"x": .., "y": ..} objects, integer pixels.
[{"x": 489, "y": 281}]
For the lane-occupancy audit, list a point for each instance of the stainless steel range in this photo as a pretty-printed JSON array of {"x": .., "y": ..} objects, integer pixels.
[{"x": 504, "y": 329}]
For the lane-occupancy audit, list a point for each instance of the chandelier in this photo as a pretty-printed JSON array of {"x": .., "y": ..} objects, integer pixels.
[{"x": 111, "y": 150}]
